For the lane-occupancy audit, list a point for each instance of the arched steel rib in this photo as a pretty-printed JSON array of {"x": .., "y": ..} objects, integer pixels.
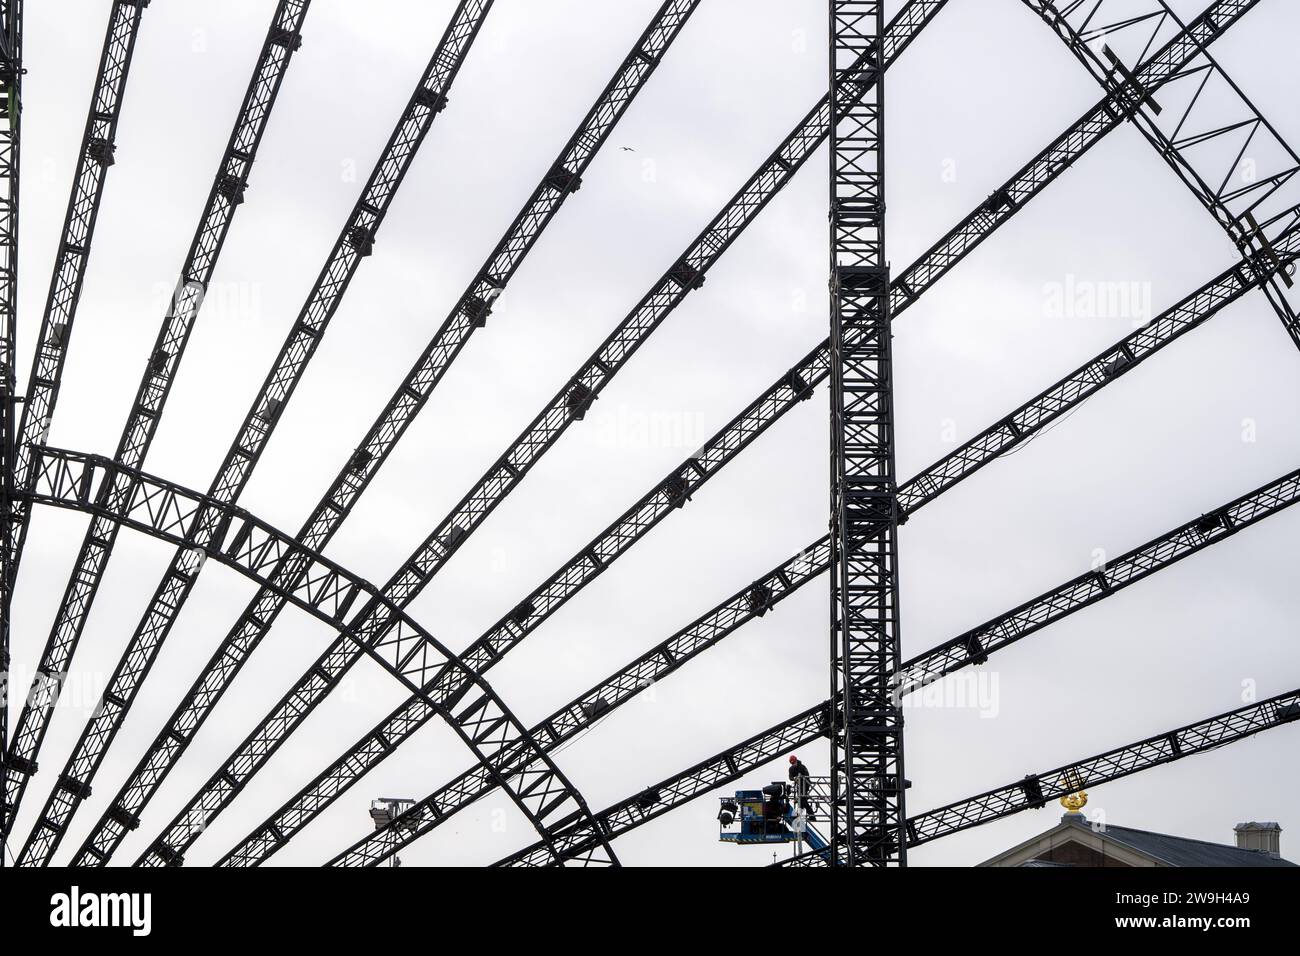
[{"x": 327, "y": 591}]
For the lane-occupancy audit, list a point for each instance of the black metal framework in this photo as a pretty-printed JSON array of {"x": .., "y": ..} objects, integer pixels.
[
  {"x": 793, "y": 388},
  {"x": 1155, "y": 71},
  {"x": 224, "y": 197},
  {"x": 570, "y": 404}
]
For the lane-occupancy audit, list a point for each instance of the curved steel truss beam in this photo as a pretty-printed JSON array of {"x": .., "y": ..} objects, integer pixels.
[{"x": 328, "y": 592}]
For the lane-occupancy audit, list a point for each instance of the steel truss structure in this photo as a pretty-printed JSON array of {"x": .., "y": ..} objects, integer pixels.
[{"x": 1156, "y": 73}]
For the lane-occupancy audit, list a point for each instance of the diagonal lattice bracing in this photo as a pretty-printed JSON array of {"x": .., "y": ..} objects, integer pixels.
[
  {"x": 11, "y": 92},
  {"x": 1202, "y": 124}
]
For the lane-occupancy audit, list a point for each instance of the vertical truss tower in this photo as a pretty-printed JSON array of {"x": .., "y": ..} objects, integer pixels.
[{"x": 867, "y": 810}]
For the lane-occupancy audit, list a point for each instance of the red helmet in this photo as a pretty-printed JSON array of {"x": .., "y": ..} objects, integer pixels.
[{"x": 794, "y": 759}]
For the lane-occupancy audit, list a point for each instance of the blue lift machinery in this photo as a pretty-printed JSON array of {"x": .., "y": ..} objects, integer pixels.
[{"x": 778, "y": 813}]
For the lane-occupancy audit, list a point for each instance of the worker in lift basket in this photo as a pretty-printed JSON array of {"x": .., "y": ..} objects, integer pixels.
[{"x": 800, "y": 784}]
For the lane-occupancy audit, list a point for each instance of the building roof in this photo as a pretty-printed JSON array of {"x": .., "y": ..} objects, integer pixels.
[
  {"x": 1130, "y": 847},
  {"x": 1182, "y": 851}
]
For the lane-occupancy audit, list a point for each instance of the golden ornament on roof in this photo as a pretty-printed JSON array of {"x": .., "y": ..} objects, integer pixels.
[{"x": 1074, "y": 802}]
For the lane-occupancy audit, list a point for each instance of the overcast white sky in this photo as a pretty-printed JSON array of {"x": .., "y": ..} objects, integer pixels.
[{"x": 978, "y": 94}]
